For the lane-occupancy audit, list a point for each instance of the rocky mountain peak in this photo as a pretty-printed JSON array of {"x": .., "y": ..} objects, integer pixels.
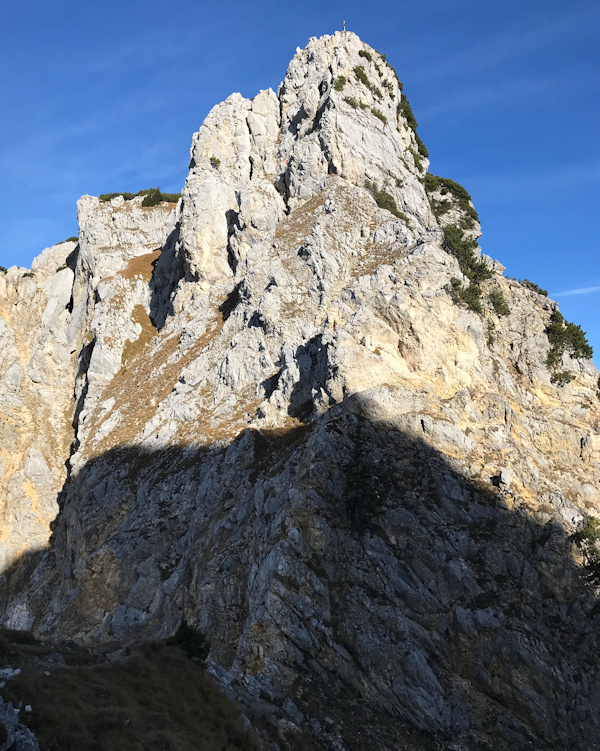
[
  {"x": 298, "y": 409},
  {"x": 339, "y": 111}
]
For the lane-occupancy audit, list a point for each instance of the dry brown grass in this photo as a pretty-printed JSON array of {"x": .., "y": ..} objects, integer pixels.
[
  {"x": 141, "y": 266},
  {"x": 152, "y": 367},
  {"x": 140, "y": 387},
  {"x": 131, "y": 349},
  {"x": 379, "y": 254},
  {"x": 154, "y": 697}
]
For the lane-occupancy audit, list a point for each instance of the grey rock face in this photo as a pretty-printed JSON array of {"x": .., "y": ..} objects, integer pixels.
[
  {"x": 285, "y": 431},
  {"x": 17, "y": 736}
]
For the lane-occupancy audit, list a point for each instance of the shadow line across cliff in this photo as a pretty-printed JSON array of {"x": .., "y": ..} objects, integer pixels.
[{"x": 346, "y": 575}]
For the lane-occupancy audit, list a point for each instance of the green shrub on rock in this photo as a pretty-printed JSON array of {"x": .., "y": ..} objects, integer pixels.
[
  {"x": 562, "y": 378},
  {"x": 340, "y": 82},
  {"x": 463, "y": 249},
  {"x": 445, "y": 185},
  {"x": 152, "y": 197},
  {"x": 359, "y": 72},
  {"x": 405, "y": 110},
  {"x": 379, "y": 114},
  {"x": 587, "y": 540},
  {"x": 390, "y": 87},
  {"x": 192, "y": 642},
  {"x": 423, "y": 151},
  {"x": 499, "y": 303},
  {"x": 565, "y": 337},
  {"x": 533, "y": 287},
  {"x": 385, "y": 200},
  {"x": 470, "y": 296}
]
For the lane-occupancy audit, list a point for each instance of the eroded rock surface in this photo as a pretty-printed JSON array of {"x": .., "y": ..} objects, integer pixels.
[{"x": 279, "y": 426}]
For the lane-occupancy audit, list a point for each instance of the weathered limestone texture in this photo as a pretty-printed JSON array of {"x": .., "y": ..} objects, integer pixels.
[{"x": 279, "y": 426}]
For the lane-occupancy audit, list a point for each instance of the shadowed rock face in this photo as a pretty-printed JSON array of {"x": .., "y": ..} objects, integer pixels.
[
  {"x": 349, "y": 577},
  {"x": 279, "y": 426}
]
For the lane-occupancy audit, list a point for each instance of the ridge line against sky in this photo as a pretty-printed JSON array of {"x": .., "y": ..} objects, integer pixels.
[{"x": 507, "y": 97}]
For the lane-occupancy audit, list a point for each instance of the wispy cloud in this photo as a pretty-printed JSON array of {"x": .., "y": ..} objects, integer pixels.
[{"x": 580, "y": 291}]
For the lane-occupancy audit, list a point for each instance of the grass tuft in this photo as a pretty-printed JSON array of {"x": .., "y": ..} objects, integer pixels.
[
  {"x": 379, "y": 114},
  {"x": 340, "y": 82}
]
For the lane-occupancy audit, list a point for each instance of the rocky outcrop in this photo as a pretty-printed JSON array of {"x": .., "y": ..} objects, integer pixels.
[
  {"x": 291, "y": 432},
  {"x": 58, "y": 333}
]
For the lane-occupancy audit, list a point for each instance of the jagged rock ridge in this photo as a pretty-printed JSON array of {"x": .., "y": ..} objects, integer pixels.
[{"x": 279, "y": 425}]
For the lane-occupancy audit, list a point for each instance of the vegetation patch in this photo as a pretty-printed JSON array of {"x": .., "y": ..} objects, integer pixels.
[
  {"x": 385, "y": 200},
  {"x": 446, "y": 186},
  {"x": 131, "y": 349},
  {"x": 340, "y": 82},
  {"x": 152, "y": 197},
  {"x": 366, "y": 55},
  {"x": 565, "y": 337},
  {"x": 439, "y": 208},
  {"x": 422, "y": 149},
  {"x": 215, "y": 162},
  {"x": 192, "y": 642},
  {"x": 390, "y": 87},
  {"x": 562, "y": 378},
  {"x": 470, "y": 295},
  {"x": 405, "y": 110},
  {"x": 391, "y": 67},
  {"x": 587, "y": 540},
  {"x": 354, "y": 103},
  {"x": 417, "y": 159},
  {"x": 359, "y": 72},
  {"x": 533, "y": 287},
  {"x": 498, "y": 302},
  {"x": 463, "y": 249},
  {"x": 3, "y": 270},
  {"x": 147, "y": 696},
  {"x": 379, "y": 114}
]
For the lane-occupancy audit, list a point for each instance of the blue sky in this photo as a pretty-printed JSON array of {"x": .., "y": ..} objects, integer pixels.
[{"x": 105, "y": 96}]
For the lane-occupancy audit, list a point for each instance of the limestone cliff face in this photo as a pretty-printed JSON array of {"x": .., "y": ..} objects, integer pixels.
[
  {"x": 279, "y": 425},
  {"x": 36, "y": 386}
]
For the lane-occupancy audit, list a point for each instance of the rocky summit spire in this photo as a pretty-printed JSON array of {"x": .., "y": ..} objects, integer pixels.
[
  {"x": 339, "y": 111},
  {"x": 301, "y": 411}
]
